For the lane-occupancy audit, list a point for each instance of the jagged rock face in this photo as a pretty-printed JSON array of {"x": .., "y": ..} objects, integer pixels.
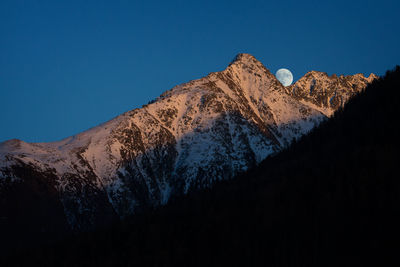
[
  {"x": 328, "y": 93},
  {"x": 192, "y": 135}
]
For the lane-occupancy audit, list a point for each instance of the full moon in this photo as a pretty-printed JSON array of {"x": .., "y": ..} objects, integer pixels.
[{"x": 284, "y": 76}]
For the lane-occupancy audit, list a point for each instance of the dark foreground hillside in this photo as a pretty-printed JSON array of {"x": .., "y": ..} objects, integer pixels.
[{"x": 332, "y": 199}]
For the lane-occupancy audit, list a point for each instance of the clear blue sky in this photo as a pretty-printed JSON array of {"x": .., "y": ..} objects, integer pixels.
[{"x": 66, "y": 66}]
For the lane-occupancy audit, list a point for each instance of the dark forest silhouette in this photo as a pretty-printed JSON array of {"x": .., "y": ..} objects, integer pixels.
[{"x": 330, "y": 199}]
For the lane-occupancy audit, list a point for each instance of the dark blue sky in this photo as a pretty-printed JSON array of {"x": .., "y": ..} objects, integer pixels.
[{"x": 70, "y": 65}]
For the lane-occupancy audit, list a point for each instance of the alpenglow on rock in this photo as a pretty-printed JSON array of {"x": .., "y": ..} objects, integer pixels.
[{"x": 188, "y": 138}]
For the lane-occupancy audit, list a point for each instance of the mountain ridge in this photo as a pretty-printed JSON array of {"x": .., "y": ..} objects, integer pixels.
[
  {"x": 191, "y": 136},
  {"x": 330, "y": 199}
]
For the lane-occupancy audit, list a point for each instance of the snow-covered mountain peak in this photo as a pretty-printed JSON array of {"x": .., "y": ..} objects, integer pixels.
[
  {"x": 372, "y": 77},
  {"x": 315, "y": 74},
  {"x": 243, "y": 58},
  {"x": 328, "y": 93},
  {"x": 249, "y": 63},
  {"x": 12, "y": 143},
  {"x": 192, "y": 135},
  {"x": 243, "y": 74}
]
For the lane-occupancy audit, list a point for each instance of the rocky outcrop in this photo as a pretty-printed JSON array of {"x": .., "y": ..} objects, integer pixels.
[{"x": 328, "y": 93}]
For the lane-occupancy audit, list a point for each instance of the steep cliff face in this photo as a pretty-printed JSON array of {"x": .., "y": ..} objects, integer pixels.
[{"x": 192, "y": 135}]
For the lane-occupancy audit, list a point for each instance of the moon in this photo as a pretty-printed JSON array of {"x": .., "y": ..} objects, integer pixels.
[{"x": 284, "y": 76}]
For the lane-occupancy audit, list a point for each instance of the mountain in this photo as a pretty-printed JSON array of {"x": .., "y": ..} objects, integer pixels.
[
  {"x": 191, "y": 136},
  {"x": 330, "y": 199}
]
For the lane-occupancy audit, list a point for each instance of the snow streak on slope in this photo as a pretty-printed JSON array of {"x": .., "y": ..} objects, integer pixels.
[{"x": 192, "y": 135}]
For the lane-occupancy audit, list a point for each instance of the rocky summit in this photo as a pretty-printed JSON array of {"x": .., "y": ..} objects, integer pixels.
[{"x": 189, "y": 137}]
